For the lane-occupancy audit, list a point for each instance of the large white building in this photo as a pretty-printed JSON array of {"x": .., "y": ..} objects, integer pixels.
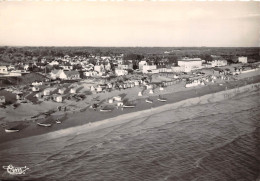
[
  {"x": 146, "y": 67},
  {"x": 189, "y": 64},
  {"x": 242, "y": 59}
]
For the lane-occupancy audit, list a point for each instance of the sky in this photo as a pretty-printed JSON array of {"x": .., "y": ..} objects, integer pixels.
[{"x": 131, "y": 24}]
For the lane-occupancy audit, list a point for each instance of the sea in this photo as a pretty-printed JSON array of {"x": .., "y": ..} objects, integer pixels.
[{"x": 203, "y": 140}]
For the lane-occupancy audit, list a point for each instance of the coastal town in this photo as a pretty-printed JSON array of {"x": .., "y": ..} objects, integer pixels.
[{"x": 43, "y": 91}]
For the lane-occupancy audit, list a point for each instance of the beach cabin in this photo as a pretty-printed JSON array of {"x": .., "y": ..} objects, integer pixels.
[
  {"x": 35, "y": 89},
  {"x": 2, "y": 100},
  {"x": 120, "y": 104},
  {"x": 46, "y": 92},
  {"x": 140, "y": 94},
  {"x": 73, "y": 90},
  {"x": 61, "y": 90},
  {"x": 118, "y": 98}
]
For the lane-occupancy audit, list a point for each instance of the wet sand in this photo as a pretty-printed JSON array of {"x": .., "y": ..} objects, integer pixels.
[{"x": 89, "y": 115}]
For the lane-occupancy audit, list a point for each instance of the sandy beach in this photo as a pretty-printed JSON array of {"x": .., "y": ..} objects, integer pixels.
[{"x": 82, "y": 115}]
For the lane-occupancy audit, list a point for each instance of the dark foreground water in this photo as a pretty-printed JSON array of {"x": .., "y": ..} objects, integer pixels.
[{"x": 209, "y": 141}]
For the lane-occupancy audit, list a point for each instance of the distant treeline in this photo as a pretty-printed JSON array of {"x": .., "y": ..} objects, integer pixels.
[{"x": 23, "y": 54}]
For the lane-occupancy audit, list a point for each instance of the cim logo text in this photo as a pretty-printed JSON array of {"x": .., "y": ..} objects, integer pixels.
[{"x": 15, "y": 170}]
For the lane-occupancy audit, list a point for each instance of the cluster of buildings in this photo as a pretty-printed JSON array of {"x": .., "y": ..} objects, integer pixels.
[{"x": 72, "y": 68}]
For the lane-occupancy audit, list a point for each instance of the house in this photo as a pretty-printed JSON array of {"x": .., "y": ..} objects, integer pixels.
[
  {"x": 120, "y": 72},
  {"x": 38, "y": 95},
  {"x": 61, "y": 90},
  {"x": 125, "y": 65},
  {"x": 54, "y": 62},
  {"x": 148, "y": 67},
  {"x": 69, "y": 75},
  {"x": 90, "y": 73},
  {"x": 189, "y": 64},
  {"x": 3, "y": 70},
  {"x": 218, "y": 63},
  {"x": 73, "y": 90},
  {"x": 2, "y": 100},
  {"x": 46, "y": 92},
  {"x": 118, "y": 98},
  {"x": 66, "y": 66},
  {"x": 141, "y": 64},
  {"x": 26, "y": 67},
  {"x": 55, "y": 73},
  {"x": 57, "y": 98},
  {"x": 19, "y": 96},
  {"x": 242, "y": 59},
  {"x": 35, "y": 89},
  {"x": 161, "y": 67},
  {"x": 99, "y": 68}
]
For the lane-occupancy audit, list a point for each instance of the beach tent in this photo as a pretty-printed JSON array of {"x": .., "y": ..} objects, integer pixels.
[
  {"x": 161, "y": 88},
  {"x": 151, "y": 91},
  {"x": 140, "y": 94},
  {"x": 110, "y": 101}
]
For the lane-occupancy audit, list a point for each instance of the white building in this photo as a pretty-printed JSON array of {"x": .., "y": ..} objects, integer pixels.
[
  {"x": 120, "y": 72},
  {"x": 218, "y": 63},
  {"x": 242, "y": 59},
  {"x": 189, "y": 64},
  {"x": 3, "y": 70},
  {"x": 147, "y": 67}
]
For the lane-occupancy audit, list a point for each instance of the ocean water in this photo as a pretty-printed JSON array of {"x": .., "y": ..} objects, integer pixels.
[{"x": 206, "y": 140}]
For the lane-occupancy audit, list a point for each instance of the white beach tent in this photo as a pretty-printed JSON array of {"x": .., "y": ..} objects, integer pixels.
[{"x": 140, "y": 94}]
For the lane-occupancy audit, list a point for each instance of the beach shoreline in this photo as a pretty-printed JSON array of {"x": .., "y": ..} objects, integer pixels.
[{"x": 89, "y": 116}]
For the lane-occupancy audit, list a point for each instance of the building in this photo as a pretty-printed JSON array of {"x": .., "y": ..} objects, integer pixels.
[
  {"x": 218, "y": 63},
  {"x": 147, "y": 67},
  {"x": 55, "y": 74},
  {"x": 2, "y": 100},
  {"x": 120, "y": 72},
  {"x": 35, "y": 89},
  {"x": 73, "y": 90},
  {"x": 69, "y": 75},
  {"x": 3, "y": 70},
  {"x": 242, "y": 59},
  {"x": 125, "y": 64},
  {"x": 61, "y": 90},
  {"x": 189, "y": 64},
  {"x": 46, "y": 92}
]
